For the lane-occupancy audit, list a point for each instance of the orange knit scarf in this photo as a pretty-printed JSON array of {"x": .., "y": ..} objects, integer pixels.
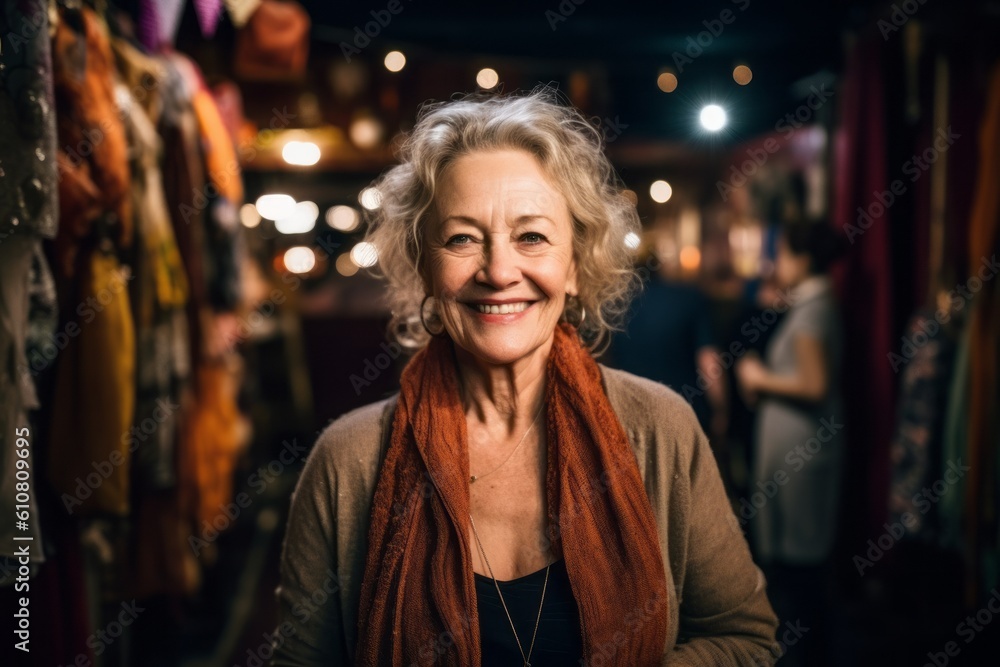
[{"x": 418, "y": 596}]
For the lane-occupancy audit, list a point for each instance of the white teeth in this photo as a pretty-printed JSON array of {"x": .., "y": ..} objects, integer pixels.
[{"x": 502, "y": 309}]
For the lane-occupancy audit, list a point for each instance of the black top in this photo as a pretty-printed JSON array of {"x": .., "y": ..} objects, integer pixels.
[{"x": 559, "y": 640}]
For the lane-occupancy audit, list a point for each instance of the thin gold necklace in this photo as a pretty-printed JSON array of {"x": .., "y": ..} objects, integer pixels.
[
  {"x": 511, "y": 620},
  {"x": 473, "y": 478}
]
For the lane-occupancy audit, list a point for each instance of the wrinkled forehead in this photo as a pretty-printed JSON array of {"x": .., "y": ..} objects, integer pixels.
[{"x": 478, "y": 194}]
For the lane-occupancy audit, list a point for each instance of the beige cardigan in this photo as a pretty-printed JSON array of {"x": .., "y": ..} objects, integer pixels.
[{"x": 719, "y": 612}]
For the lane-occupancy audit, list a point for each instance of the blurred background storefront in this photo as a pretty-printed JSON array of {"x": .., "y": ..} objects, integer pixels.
[{"x": 186, "y": 298}]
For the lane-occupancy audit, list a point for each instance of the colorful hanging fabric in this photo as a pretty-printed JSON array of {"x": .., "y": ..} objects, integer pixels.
[
  {"x": 209, "y": 12},
  {"x": 94, "y": 394},
  {"x": 864, "y": 279}
]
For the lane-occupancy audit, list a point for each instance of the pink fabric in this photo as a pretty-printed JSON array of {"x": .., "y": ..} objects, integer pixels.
[{"x": 209, "y": 12}]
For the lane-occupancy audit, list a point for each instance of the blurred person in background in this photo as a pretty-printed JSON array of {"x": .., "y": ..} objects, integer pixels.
[
  {"x": 516, "y": 502},
  {"x": 798, "y": 435},
  {"x": 669, "y": 338}
]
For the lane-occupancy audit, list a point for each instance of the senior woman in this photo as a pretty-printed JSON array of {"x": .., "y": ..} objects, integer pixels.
[{"x": 516, "y": 502}]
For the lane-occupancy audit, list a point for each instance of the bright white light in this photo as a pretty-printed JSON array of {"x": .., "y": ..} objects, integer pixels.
[
  {"x": 370, "y": 198},
  {"x": 487, "y": 78},
  {"x": 713, "y": 118},
  {"x": 661, "y": 191},
  {"x": 344, "y": 218},
  {"x": 273, "y": 207},
  {"x": 300, "y": 259},
  {"x": 249, "y": 216},
  {"x": 301, "y": 220},
  {"x": 364, "y": 254},
  {"x": 395, "y": 61},
  {"x": 301, "y": 153},
  {"x": 632, "y": 240},
  {"x": 365, "y": 132}
]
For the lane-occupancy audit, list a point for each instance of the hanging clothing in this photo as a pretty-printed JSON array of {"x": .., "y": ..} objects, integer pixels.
[
  {"x": 28, "y": 190},
  {"x": 94, "y": 395},
  {"x": 923, "y": 401},
  {"x": 223, "y": 193},
  {"x": 982, "y": 517},
  {"x": 183, "y": 181},
  {"x": 28, "y": 207},
  {"x": 159, "y": 297},
  {"x": 217, "y": 434},
  {"x": 955, "y": 444},
  {"x": 94, "y": 177},
  {"x": 864, "y": 278},
  {"x": 17, "y": 396},
  {"x": 94, "y": 399}
]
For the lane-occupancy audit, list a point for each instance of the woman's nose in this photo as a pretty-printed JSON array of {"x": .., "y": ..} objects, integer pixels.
[{"x": 501, "y": 267}]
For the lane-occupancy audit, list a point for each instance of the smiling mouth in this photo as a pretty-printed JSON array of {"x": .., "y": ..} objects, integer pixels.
[{"x": 501, "y": 309}]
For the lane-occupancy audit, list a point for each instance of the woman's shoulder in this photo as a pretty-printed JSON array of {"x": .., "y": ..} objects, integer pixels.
[
  {"x": 645, "y": 406},
  {"x": 354, "y": 441}
]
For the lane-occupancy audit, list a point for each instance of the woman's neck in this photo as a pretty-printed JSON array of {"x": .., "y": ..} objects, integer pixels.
[{"x": 512, "y": 393}]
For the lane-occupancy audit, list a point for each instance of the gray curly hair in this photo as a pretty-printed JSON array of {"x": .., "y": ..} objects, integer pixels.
[{"x": 570, "y": 150}]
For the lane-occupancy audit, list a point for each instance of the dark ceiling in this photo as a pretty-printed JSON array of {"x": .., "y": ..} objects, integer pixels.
[{"x": 629, "y": 44}]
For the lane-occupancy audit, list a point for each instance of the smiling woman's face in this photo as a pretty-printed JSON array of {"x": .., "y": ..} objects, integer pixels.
[{"x": 499, "y": 255}]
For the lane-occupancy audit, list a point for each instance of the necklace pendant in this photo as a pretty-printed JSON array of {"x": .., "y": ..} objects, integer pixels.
[{"x": 472, "y": 479}]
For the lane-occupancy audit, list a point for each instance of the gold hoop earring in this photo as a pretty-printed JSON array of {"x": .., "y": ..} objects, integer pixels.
[{"x": 423, "y": 320}]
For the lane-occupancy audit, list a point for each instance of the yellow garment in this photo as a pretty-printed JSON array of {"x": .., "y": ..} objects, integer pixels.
[{"x": 95, "y": 395}]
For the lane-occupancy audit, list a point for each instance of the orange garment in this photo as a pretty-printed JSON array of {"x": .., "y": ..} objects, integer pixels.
[
  {"x": 217, "y": 433},
  {"x": 94, "y": 393},
  {"x": 418, "y": 579},
  {"x": 220, "y": 154},
  {"x": 93, "y": 164}
]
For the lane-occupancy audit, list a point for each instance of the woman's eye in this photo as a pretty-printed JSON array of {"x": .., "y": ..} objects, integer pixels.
[
  {"x": 532, "y": 238},
  {"x": 459, "y": 239}
]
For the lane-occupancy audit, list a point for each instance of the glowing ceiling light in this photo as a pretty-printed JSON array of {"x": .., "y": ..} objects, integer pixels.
[
  {"x": 667, "y": 82},
  {"x": 742, "y": 75},
  {"x": 346, "y": 266},
  {"x": 365, "y": 132},
  {"x": 300, "y": 259},
  {"x": 713, "y": 118},
  {"x": 249, "y": 216},
  {"x": 344, "y": 218},
  {"x": 275, "y": 206},
  {"x": 395, "y": 61},
  {"x": 302, "y": 219},
  {"x": 364, "y": 254},
  {"x": 690, "y": 258},
  {"x": 660, "y": 191},
  {"x": 301, "y": 153},
  {"x": 370, "y": 198},
  {"x": 487, "y": 78}
]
